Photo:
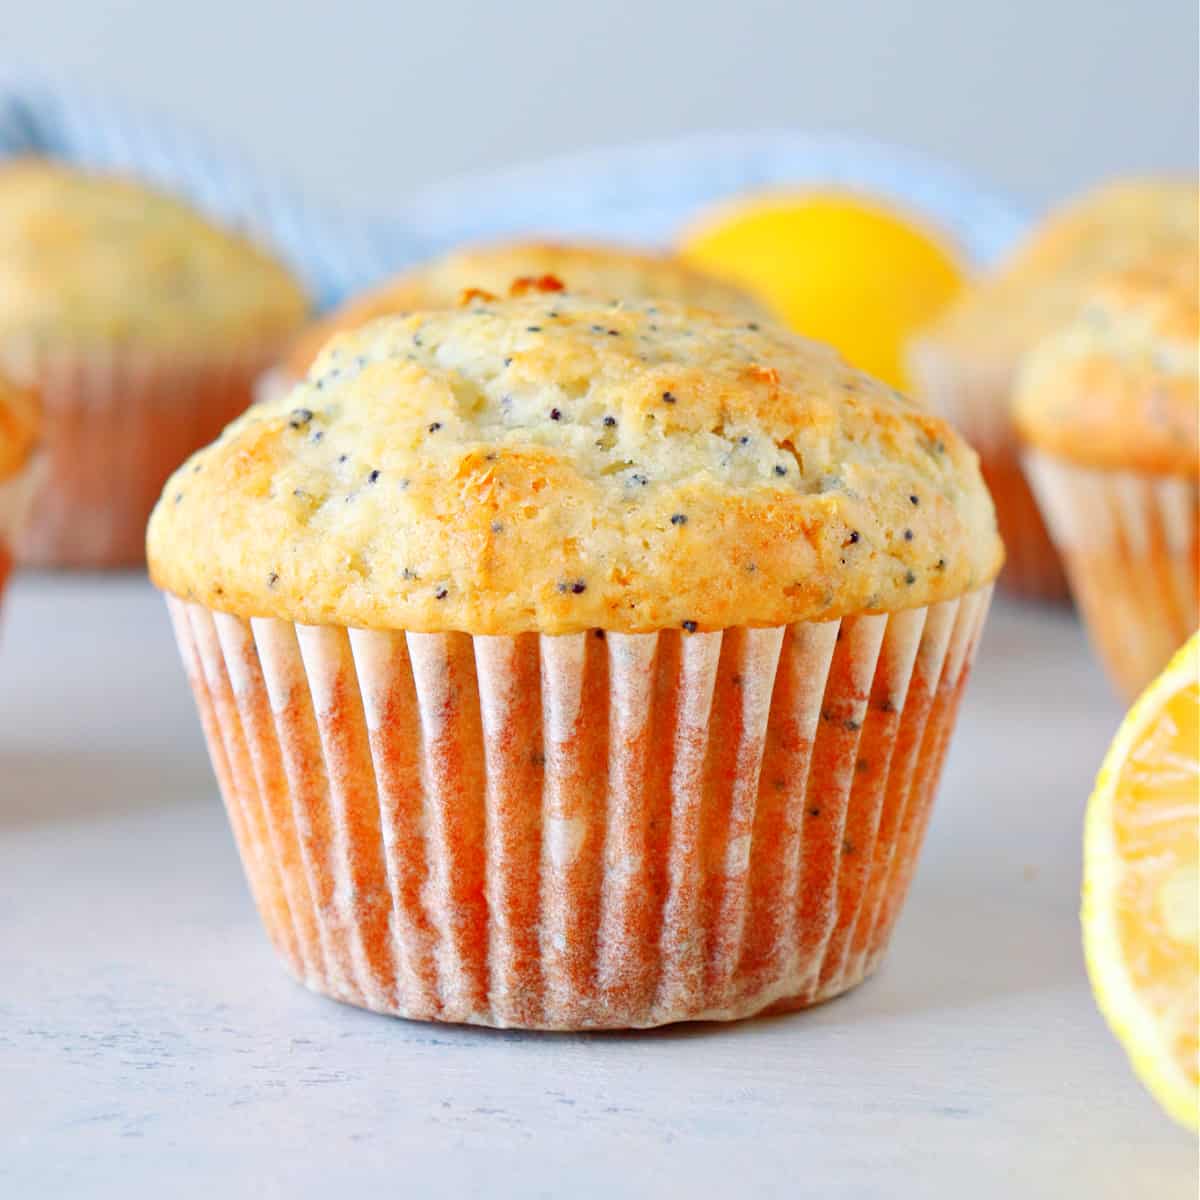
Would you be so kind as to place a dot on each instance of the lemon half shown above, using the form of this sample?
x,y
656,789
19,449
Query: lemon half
x,y
1141,889
846,270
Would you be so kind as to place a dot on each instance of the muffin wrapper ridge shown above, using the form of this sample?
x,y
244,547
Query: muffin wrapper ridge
x,y
580,831
1130,542
976,402
116,423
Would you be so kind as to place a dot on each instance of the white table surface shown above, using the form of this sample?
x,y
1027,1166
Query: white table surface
x,y
150,1045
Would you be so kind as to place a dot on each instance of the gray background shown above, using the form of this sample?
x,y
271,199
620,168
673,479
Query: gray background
x,y
364,101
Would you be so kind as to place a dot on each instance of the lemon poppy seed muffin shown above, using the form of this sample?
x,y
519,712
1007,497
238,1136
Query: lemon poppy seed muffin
x,y
557,465
607,271
1116,387
142,325
966,364
92,259
606,652
1043,283
1109,411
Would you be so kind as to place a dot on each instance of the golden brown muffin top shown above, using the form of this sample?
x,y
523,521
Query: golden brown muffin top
x,y
555,463
609,272
1117,386
96,259
1044,281
19,423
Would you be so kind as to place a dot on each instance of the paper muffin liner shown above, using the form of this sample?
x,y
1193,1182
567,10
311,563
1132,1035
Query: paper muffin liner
x,y
975,400
580,831
115,423
1130,543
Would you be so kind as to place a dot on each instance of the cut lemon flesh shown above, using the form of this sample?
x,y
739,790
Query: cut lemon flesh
x,y
1141,890
844,270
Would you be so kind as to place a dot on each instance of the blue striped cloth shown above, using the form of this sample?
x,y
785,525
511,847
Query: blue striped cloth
x,y
640,193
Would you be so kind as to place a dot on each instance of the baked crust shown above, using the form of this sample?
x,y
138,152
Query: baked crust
x,y
599,270
554,463
91,259
1117,386
1043,283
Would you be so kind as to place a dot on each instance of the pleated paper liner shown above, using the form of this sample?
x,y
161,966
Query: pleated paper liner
x,y
115,423
975,401
1130,542
582,831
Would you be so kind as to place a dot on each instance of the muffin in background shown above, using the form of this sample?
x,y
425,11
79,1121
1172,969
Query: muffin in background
x,y
966,363
584,267
142,327
19,424
573,664
1109,412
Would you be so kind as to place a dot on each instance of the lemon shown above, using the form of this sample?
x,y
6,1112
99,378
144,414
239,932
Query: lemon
x,y
1141,887
845,270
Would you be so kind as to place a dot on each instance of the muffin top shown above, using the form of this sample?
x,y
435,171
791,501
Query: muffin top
x,y
604,271
1117,386
97,259
18,427
556,463
1044,282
